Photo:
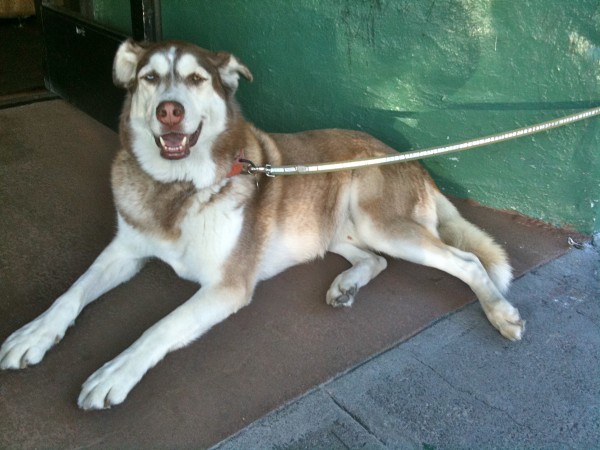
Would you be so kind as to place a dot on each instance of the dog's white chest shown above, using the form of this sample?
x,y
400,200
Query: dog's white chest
x,y
207,239
208,235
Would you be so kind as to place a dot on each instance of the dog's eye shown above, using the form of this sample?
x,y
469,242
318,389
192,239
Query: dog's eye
x,y
151,77
196,78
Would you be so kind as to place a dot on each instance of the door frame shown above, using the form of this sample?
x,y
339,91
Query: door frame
x,y
79,53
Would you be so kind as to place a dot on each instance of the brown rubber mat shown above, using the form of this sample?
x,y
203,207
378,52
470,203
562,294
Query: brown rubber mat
x,y
56,215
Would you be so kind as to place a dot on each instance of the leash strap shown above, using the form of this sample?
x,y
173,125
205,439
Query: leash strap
x,y
273,171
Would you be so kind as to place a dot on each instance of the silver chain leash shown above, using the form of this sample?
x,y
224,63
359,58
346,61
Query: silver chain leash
x,y
273,171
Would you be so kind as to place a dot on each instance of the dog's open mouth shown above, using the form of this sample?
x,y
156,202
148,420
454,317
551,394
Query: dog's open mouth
x,y
177,145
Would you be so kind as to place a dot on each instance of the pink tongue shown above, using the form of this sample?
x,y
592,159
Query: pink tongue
x,y
173,139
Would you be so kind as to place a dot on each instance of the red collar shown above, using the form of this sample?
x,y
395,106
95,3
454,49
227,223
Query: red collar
x,y
238,166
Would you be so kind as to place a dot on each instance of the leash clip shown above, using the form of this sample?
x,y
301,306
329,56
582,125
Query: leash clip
x,y
266,169
269,171
250,169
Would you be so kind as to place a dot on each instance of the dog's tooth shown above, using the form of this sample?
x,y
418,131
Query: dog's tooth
x,y
162,141
184,142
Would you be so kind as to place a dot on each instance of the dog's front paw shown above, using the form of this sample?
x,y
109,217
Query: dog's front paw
x,y
28,345
110,384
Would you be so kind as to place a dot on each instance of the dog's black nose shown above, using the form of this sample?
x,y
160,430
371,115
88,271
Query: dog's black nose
x,y
170,113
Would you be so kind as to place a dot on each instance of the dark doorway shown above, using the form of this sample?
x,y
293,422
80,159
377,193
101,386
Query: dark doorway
x,y
60,48
21,54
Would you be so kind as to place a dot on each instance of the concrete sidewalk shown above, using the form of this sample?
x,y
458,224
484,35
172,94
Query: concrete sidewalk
x,y
458,384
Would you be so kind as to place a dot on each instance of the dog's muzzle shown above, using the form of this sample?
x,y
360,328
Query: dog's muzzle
x,y
177,145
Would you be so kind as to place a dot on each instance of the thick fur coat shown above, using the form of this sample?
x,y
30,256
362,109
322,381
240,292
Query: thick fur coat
x,y
180,197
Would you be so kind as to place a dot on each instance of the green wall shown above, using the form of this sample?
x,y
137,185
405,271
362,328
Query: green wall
x,y
420,73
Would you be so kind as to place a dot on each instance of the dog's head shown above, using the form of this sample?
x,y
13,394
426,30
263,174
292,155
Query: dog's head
x,y
180,100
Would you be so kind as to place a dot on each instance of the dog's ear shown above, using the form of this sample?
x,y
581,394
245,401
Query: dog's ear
x,y
230,69
125,63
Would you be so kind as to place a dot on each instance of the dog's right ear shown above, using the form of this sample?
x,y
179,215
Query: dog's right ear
x,y
125,63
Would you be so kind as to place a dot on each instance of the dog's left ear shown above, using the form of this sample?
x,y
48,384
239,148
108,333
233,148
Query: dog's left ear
x,y
230,69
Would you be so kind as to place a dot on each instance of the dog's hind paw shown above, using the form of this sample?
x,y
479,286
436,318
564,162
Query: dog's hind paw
x,y
337,296
508,322
513,330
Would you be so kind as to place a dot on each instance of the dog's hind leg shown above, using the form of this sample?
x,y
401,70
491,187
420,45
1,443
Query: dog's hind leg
x,y
413,242
365,266
28,345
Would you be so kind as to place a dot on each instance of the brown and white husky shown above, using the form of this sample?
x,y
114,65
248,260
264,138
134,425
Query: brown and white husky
x,y
180,197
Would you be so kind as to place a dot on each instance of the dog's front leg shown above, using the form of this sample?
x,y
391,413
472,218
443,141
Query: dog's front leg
x,y
111,384
28,345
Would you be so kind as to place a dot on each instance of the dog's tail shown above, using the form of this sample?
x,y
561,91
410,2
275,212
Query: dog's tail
x,y
454,230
